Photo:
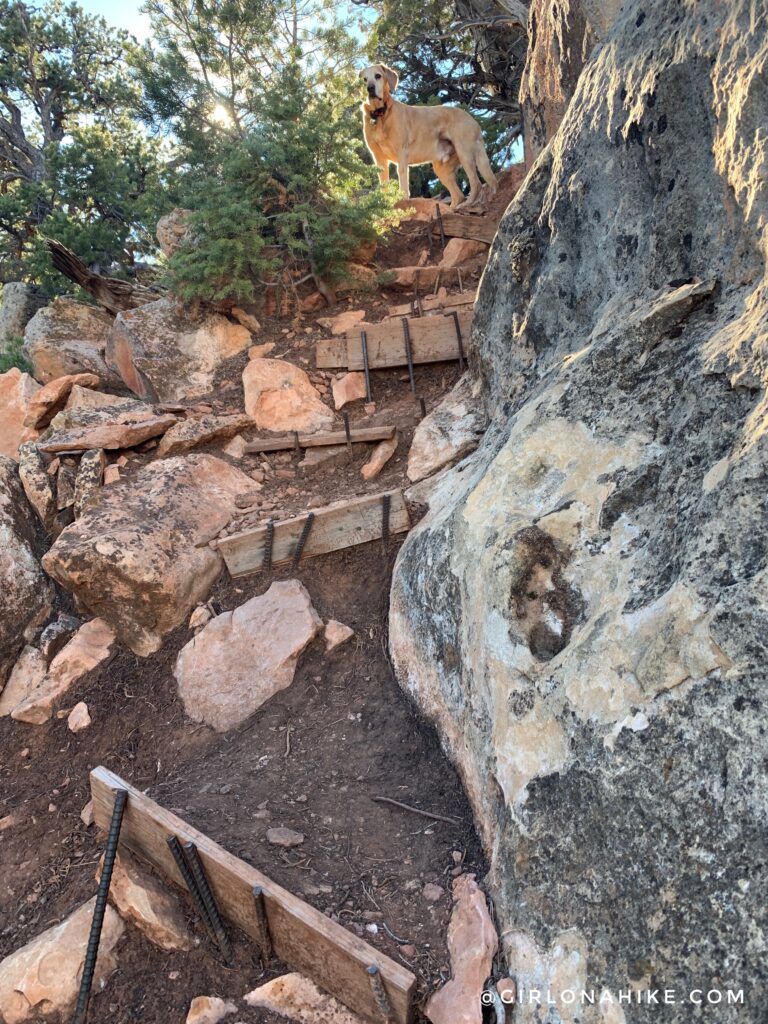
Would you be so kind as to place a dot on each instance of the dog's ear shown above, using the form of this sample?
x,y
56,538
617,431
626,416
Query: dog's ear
x,y
392,77
361,73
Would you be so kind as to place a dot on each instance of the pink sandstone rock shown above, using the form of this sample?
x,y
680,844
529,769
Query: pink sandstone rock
x,y
43,977
301,1001
348,388
209,1010
17,391
380,456
79,718
459,250
52,397
342,322
472,944
280,397
241,658
336,634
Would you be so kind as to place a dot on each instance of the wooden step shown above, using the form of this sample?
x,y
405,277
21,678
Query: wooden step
x,y
283,442
302,937
434,303
342,525
433,340
463,225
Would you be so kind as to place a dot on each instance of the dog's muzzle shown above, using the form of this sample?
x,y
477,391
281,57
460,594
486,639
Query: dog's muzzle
x,y
372,91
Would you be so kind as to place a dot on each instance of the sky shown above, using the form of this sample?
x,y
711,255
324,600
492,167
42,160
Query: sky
x,y
121,14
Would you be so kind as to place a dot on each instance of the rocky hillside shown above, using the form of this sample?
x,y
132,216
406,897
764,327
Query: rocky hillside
x,y
583,612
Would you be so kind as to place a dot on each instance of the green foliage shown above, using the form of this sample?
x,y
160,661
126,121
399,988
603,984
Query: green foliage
x,y
11,356
75,164
285,183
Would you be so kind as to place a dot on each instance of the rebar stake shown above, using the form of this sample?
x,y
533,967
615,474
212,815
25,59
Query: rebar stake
x,y
366,367
268,541
198,873
440,224
409,354
296,444
302,540
386,504
423,405
99,909
380,996
345,417
459,338
264,940
197,897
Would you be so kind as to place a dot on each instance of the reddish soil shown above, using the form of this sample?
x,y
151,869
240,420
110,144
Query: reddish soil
x,y
312,759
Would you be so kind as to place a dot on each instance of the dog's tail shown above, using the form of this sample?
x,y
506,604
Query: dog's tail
x,y
484,165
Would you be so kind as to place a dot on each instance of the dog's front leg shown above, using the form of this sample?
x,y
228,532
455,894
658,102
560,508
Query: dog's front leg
x,y
402,176
384,172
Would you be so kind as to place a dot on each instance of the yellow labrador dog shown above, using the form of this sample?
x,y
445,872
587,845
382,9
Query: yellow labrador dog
x,y
446,137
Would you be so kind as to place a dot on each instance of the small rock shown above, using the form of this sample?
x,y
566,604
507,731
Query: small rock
x,y
235,448
111,474
336,633
432,893
507,989
285,837
209,1010
86,815
246,320
260,351
79,717
188,434
343,322
141,900
407,950
370,408
200,616
52,398
348,388
381,455
301,1001
248,498
26,676
90,474
7,822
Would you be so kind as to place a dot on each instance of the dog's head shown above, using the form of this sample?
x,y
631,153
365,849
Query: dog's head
x,y
379,80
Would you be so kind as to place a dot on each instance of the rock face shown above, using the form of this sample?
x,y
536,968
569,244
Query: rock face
x,y
583,613
20,303
44,976
25,594
164,355
17,391
68,337
241,658
448,433
279,396
139,557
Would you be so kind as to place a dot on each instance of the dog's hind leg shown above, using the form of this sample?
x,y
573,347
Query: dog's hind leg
x,y
466,155
484,166
446,172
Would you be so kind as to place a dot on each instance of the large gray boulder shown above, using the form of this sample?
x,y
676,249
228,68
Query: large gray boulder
x,y
584,612
25,593
20,303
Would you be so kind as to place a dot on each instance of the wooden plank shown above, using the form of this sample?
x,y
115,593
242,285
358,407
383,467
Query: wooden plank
x,y
434,302
330,352
462,225
302,937
334,527
285,441
433,340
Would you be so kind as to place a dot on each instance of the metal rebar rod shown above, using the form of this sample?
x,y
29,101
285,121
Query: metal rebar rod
x,y
380,996
99,909
264,940
440,224
430,243
366,367
347,432
386,504
459,338
198,873
296,444
197,897
268,541
409,354
302,539
423,405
